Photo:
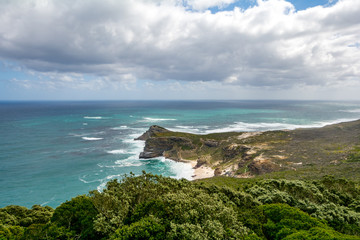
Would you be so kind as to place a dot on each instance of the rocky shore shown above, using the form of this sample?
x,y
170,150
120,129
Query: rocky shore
x,y
247,154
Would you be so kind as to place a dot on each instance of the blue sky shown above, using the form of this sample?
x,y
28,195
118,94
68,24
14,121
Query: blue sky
x,y
298,4
302,5
188,49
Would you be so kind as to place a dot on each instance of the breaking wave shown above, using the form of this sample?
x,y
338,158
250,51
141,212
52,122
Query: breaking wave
x,y
92,138
96,117
149,119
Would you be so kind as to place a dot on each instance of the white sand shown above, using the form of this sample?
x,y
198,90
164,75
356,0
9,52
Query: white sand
x,y
201,172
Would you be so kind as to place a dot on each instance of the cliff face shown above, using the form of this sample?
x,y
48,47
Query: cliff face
x,y
215,150
157,147
248,154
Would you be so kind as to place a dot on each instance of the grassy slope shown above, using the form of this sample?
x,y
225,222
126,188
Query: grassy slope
x,y
300,153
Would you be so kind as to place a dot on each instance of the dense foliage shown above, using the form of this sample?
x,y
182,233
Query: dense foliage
x,y
154,207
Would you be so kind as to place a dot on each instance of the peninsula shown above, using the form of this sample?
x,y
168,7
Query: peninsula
x,y
304,152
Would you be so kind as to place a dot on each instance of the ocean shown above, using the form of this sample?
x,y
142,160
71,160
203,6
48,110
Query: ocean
x,y
53,151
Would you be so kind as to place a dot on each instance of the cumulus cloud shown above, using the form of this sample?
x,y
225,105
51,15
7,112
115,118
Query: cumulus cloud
x,y
205,4
270,44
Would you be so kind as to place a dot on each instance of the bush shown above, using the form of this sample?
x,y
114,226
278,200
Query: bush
x,y
77,216
285,222
155,207
146,228
330,199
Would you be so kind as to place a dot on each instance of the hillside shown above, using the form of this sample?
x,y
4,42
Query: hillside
x,y
313,152
155,207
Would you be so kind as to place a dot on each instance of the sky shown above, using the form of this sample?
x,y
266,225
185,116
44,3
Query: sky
x,y
179,49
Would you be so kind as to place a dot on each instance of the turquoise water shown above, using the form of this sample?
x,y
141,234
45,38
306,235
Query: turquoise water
x,y
53,151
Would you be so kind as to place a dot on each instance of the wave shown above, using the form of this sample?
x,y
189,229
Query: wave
x,y
149,119
251,127
179,169
100,165
125,163
138,145
84,181
85,124
96,117
47,202
118,151
77,135
184,127
351,111
120,128
91,138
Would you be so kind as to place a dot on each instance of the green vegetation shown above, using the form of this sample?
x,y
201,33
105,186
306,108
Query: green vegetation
x,y
155,207
310,153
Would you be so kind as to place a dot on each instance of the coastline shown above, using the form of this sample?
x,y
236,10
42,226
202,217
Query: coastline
x,y
246,154
199,172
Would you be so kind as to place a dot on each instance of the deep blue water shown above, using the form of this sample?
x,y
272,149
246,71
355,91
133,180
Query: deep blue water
x,y
53,151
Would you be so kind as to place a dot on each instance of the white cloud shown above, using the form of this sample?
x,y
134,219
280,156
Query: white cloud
x,y
269,45
205,4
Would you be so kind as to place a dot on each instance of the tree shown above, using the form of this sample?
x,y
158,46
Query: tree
x,y
77,216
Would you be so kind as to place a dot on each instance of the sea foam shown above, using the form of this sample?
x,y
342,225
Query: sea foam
x,y
351,111
118,151
149,119
82,179
96,117
180,169
126,163
251,127
91,138
262,126
120,128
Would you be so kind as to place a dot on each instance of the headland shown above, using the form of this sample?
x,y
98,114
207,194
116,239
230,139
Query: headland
x,y
303,152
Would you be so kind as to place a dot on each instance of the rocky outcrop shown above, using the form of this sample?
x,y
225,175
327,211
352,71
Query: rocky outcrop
x,y
146,155
217,172
261,167
244,161
200,162
153,130
211,143
174,145
158,146
234,150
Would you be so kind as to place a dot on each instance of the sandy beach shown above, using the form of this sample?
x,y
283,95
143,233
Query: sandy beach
x,y
203,172
200,172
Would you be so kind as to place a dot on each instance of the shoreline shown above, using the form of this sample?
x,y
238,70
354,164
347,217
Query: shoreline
x,y
200,172
236,151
